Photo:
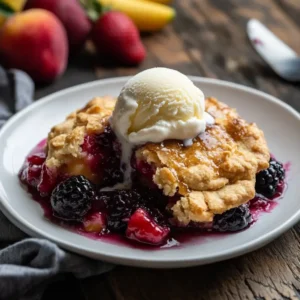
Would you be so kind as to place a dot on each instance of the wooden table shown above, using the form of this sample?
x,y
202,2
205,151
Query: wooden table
x,y
207,39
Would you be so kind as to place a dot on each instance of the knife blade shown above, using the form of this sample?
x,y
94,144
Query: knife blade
x,y
274,51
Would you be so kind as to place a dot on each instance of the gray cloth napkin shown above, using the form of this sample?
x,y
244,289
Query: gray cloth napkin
x,y
28,264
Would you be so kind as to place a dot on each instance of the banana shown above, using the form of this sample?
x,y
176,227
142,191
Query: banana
x,y
16,5
166,2
147,16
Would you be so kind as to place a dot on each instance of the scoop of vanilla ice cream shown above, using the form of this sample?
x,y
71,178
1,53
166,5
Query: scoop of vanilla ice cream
x,y
159,104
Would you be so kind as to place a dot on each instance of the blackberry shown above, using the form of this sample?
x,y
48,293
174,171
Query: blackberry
x,y
112,173
120,205
106,142
106,138
234,219
154,199
267,180
72,198
158,217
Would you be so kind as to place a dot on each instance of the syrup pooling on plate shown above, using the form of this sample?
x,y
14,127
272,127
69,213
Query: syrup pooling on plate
x,y
261,204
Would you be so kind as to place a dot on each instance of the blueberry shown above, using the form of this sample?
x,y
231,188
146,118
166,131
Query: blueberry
x,y
72,198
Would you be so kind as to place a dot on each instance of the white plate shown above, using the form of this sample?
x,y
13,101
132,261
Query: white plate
x,y
280,123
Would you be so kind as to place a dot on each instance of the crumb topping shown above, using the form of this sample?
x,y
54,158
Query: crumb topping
x,y
65,139
214,174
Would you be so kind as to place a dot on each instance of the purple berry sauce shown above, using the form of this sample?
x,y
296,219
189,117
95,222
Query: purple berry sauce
x,y
30,176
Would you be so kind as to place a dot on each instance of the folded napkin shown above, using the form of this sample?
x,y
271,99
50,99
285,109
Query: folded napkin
x,y
28,264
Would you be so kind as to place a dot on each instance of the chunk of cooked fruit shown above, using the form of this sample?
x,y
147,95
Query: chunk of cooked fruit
x,y
72,198
103,156
37,159
145,173
143,228
94,222
48,180
30,173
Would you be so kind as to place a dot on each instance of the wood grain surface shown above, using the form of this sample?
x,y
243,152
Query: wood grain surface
x,y
208,39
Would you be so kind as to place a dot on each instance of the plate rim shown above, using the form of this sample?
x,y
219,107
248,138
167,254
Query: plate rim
x,y
160,262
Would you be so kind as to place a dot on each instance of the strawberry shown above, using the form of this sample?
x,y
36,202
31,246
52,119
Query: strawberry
x,y
116,37
143,228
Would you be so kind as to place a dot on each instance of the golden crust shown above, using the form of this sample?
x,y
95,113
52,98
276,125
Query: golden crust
x,y
166,180
199,206
214,174
248,135
65,139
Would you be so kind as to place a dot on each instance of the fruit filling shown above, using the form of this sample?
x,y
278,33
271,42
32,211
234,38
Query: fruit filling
x,y
103,156
140,214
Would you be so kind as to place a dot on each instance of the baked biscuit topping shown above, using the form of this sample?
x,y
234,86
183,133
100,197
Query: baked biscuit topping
x,y
214,174
65,139
217,172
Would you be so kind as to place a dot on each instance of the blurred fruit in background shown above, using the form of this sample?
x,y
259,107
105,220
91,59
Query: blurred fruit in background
x,y
16,5
34,41
10,6
116,37
159,1
147,15
37,36
71,14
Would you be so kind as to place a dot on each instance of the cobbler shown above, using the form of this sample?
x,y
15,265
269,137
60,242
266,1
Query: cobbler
x,y
210,184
